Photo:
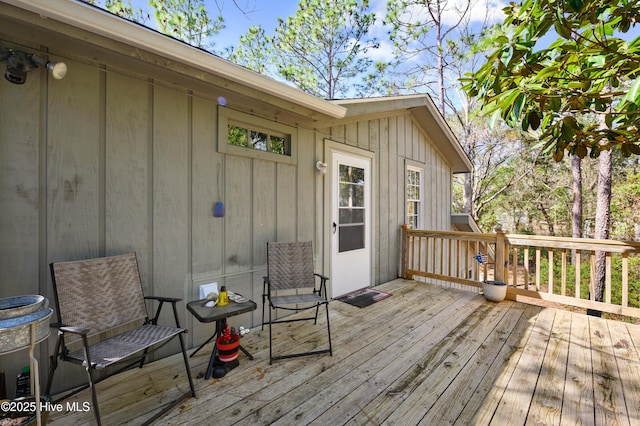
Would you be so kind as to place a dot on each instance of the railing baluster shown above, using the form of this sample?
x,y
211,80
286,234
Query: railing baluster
x,y
538,261
458,258
592,276
415,259
498,270
525,261
505,266
441,271
476,265
563,289
450,254
625,279
514,268
578,273
607,278
467,261
433,255
550,289
418,253
486,267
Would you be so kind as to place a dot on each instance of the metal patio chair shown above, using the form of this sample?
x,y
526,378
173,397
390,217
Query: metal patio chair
x,y
290,270
103,296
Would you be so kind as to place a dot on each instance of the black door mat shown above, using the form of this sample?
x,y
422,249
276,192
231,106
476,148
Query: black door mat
x,y
364,297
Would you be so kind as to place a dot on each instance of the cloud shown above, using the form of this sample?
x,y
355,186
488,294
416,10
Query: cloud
x,y
384,53
491,10
481,11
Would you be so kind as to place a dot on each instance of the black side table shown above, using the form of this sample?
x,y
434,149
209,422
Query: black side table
x,y
219,314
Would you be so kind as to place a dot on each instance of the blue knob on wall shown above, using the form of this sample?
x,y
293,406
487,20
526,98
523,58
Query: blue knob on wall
x,y
218,209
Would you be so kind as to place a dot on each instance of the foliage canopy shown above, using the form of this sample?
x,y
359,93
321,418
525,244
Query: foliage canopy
x,y
321,47
581,93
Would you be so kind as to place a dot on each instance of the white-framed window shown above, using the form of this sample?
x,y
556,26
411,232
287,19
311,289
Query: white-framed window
x,y
251,136
415,196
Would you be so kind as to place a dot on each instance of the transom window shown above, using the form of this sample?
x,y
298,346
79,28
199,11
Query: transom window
x,y
247,135
262,140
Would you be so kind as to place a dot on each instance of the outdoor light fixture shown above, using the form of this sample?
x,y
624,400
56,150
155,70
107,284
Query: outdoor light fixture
x,y
19,63
321,167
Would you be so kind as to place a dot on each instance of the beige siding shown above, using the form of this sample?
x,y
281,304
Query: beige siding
x,y
393,140
127,192
108,161
208,185
20,200
171,195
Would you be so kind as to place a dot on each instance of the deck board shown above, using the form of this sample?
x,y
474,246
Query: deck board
x,y
448,408
545,409
427,355
578,404
608,396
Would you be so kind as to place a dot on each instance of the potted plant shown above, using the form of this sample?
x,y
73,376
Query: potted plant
x,y
495,291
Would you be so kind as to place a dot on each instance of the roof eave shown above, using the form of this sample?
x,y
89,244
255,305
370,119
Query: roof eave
x,y
426,115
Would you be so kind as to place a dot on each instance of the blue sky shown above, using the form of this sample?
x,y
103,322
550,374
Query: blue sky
x,y
256,12
239,15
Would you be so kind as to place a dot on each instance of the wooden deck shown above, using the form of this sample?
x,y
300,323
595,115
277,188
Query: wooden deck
x,y
427,355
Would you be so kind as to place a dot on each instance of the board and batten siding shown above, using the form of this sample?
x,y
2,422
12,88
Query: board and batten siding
x,y
394,140
112,159
104,162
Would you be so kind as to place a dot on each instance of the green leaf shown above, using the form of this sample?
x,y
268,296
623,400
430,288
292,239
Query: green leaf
x,y
634,148
597,61
558,155
562,30
568,130
534,120
548,71
517,106
581,151
633,95
494,118
576,5
608,120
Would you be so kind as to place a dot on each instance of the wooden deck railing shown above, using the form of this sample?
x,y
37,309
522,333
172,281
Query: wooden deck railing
x,y
554,269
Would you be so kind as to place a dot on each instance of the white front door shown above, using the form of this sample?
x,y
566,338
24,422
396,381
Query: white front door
x,y
350,223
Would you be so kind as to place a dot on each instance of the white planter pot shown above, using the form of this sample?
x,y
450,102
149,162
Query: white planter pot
x,y
495,291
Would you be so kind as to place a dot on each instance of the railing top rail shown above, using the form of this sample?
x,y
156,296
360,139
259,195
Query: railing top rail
x,y
573,243
534,240
452,235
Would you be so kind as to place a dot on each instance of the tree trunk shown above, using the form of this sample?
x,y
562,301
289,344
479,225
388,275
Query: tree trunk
x,y
603,213
576,211
468,193
548,218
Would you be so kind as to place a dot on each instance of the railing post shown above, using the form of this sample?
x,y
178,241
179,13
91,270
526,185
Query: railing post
x,y
405,252
498,269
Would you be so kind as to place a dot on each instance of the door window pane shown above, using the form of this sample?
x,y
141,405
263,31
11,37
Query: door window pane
x,y
351,212
351,186
351,238
351,216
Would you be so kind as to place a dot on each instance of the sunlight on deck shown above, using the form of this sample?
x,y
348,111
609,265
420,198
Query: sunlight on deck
x,y
426,355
